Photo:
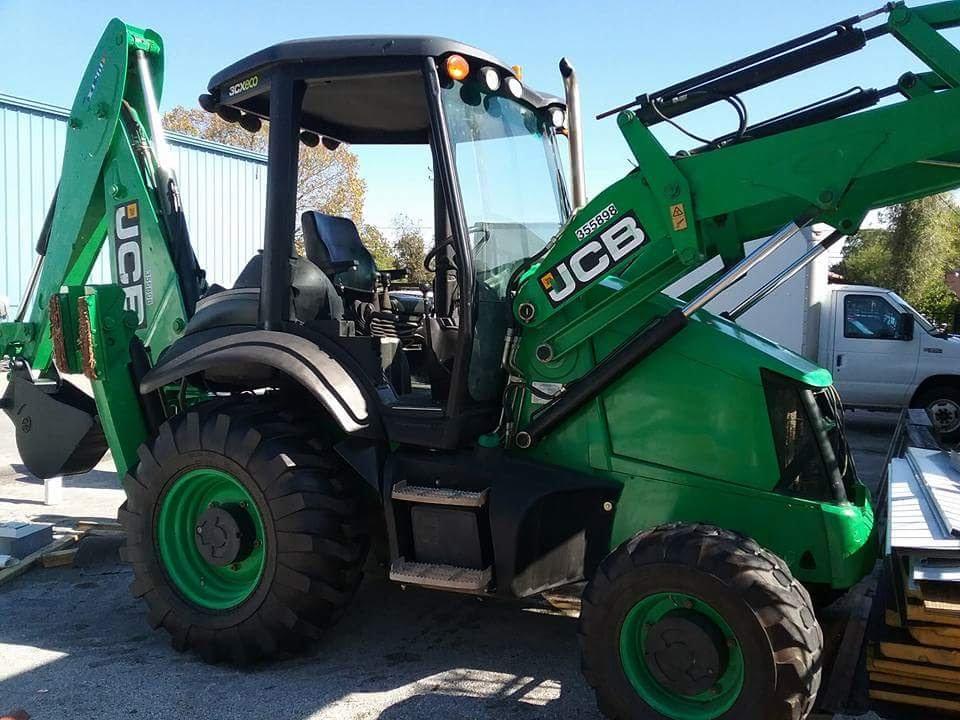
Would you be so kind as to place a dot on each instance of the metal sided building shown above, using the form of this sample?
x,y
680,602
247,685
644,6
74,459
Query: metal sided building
x,y
223,189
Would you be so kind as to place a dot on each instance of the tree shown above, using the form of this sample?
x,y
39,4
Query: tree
x,y
383,253
411,248
867,259
912,256
328,181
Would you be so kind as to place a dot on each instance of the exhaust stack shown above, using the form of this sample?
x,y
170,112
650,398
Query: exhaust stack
x,y
575,133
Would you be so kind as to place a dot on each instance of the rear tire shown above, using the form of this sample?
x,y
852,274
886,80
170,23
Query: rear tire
x,y
942,403
689,621
291,500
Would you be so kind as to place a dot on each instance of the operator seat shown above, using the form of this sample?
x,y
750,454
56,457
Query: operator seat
x,y
333,244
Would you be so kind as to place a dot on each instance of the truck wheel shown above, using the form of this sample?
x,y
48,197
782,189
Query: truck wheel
x,y
691,621
942,403
245,535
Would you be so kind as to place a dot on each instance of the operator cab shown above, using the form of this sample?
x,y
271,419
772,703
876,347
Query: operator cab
x,y
498,199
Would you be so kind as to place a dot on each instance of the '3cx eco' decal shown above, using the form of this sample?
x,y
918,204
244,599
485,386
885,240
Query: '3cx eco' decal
x,y
622,238
130,272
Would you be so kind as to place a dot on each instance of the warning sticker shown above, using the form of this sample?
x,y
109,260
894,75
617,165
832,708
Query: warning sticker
x,y
679,216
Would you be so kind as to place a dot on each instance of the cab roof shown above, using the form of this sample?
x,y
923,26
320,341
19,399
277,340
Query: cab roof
x,y
360,89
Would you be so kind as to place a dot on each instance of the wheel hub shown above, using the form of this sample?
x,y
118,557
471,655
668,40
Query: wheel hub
x,y
210,539
220,535
945,415
681,656
685,653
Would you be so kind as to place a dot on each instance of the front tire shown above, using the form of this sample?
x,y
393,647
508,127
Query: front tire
x,y
942,403
245,534
691,621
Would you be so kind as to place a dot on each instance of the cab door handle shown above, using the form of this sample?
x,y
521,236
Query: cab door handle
x,y
839,359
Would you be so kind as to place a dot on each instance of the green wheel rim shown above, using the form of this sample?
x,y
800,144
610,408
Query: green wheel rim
x,y
633,637
208,586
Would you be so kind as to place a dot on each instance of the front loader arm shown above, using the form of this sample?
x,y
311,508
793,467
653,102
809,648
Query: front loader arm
x,y
830,163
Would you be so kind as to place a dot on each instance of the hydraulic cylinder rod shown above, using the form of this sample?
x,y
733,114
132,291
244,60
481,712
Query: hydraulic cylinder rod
x,y
744,266
787,273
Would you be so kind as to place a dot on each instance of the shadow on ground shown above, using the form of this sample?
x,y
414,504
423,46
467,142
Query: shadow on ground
x,y
92,479
76,643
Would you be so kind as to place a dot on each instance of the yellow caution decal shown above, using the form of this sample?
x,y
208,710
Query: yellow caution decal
x,y
678,213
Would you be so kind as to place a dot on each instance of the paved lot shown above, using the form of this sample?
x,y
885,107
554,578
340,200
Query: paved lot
x,y
73,643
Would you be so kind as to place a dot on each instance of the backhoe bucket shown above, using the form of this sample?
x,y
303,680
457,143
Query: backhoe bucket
x,y
58,431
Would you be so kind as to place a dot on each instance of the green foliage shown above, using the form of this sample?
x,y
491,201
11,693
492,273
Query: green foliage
x,y
867,259
411,248
383,252
912,256
328,180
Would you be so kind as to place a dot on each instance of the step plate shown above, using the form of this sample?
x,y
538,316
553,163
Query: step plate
x,y
445,577
438,496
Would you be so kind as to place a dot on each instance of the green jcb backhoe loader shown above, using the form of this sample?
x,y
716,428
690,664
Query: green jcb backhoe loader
x,y
560,420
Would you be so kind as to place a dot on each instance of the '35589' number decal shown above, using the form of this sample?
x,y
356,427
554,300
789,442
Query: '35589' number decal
x,y
597,221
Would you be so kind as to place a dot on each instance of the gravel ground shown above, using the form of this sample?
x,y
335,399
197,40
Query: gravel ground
x,y
74,643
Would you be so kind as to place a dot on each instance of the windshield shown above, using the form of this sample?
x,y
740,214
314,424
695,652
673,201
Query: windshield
x,y
514,202
920,319
510,181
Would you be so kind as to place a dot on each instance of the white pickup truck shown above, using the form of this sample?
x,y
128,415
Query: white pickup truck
x,y
882,353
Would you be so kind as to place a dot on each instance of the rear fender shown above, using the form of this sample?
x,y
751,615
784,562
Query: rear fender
x,y
302,360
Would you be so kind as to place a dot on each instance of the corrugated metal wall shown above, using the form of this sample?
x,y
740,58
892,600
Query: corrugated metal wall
x,y
224,191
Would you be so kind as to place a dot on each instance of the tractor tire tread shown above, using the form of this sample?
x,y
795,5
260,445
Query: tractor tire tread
x,y
779,601
311,502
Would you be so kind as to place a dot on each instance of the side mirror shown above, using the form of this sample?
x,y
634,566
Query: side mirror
x,y
905,326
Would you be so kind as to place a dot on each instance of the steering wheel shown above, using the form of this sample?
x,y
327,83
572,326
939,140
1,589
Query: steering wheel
x,y
429,259
430,266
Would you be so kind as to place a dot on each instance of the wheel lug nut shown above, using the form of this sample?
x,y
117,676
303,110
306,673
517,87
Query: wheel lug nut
x,y
235,567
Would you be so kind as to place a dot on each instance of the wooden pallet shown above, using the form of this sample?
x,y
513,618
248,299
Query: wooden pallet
x,y
918,698
941,597
58,544
914,658
944,636
881,665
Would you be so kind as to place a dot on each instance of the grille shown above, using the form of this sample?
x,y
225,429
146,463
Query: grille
x,y
795,421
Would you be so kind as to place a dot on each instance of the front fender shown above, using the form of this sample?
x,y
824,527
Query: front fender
x,y
317,371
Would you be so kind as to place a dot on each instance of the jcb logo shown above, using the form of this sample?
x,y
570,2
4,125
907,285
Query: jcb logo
x,y
129,257
592,258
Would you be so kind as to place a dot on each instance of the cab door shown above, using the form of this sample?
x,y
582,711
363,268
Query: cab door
x,y
874,356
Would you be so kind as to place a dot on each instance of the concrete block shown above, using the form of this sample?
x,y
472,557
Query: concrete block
x,y
22,538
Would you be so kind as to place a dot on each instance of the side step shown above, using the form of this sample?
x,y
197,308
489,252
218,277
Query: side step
x,y
443,577
438,496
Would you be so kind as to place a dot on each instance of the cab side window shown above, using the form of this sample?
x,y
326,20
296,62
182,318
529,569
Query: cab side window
x,y
869,317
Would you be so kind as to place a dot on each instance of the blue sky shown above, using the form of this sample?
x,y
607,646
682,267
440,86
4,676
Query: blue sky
x,y
619,49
